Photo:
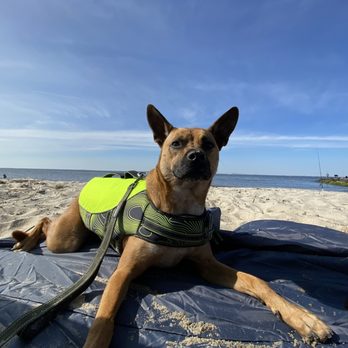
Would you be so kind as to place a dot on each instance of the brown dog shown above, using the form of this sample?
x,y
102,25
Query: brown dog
x,y
178,185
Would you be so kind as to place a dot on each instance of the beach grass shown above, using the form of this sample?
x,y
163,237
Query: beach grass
x,y
334,181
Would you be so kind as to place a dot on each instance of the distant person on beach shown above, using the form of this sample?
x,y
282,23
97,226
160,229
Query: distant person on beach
x,y
4,176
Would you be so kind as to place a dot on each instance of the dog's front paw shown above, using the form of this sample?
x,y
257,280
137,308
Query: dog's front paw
x,y
100,333
308,325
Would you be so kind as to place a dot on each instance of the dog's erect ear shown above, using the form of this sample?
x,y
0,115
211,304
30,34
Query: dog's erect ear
x,y
159,125
224,126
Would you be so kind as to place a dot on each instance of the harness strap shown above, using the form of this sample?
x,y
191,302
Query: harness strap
x,y
33,321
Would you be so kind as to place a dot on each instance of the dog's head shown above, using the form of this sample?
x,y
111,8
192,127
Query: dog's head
x,y
190,154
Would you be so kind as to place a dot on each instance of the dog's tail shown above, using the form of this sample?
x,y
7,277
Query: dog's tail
x,y
29,239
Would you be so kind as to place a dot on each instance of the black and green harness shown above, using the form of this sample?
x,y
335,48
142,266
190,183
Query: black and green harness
x,y
114,208
139,217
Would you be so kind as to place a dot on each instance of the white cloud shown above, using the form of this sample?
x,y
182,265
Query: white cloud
x,y
125,139
305,97
15,64
291,141
77,141
41,108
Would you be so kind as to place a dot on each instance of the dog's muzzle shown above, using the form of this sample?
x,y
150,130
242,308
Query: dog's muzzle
x,y
194,166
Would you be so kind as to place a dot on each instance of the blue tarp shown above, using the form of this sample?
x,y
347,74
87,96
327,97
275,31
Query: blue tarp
x,y
175,308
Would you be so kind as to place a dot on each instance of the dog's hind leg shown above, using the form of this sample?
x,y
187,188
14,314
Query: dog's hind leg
x,y
29,240
64,234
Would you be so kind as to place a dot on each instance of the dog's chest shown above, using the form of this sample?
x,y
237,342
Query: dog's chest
x,y
169,256
184,202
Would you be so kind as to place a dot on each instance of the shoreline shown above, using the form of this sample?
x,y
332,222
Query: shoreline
x,y
220,179
24,201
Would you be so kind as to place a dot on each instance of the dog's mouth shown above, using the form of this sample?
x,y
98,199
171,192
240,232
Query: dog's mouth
x,y
193,172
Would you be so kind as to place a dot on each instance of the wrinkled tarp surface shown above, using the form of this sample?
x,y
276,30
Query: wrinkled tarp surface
x,y
175,308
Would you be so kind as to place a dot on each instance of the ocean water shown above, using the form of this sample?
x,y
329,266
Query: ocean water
x,y
222,180
275,181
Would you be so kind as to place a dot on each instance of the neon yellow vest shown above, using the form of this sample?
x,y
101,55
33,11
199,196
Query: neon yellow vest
x,y
100,196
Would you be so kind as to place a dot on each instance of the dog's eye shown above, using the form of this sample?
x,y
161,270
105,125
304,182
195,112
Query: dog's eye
x,y
176,144
208,145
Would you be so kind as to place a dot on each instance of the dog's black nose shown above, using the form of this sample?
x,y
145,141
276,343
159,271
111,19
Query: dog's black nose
x,y
195,155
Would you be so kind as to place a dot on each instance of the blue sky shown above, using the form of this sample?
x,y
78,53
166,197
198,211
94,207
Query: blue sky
x,y
76,76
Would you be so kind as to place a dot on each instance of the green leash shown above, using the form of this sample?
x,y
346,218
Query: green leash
x,y
32,322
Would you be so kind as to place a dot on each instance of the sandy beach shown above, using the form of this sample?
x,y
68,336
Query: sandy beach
x,y
24,201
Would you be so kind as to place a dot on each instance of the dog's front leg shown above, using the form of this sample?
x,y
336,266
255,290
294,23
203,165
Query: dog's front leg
x,y
305,323
133,262
101,331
